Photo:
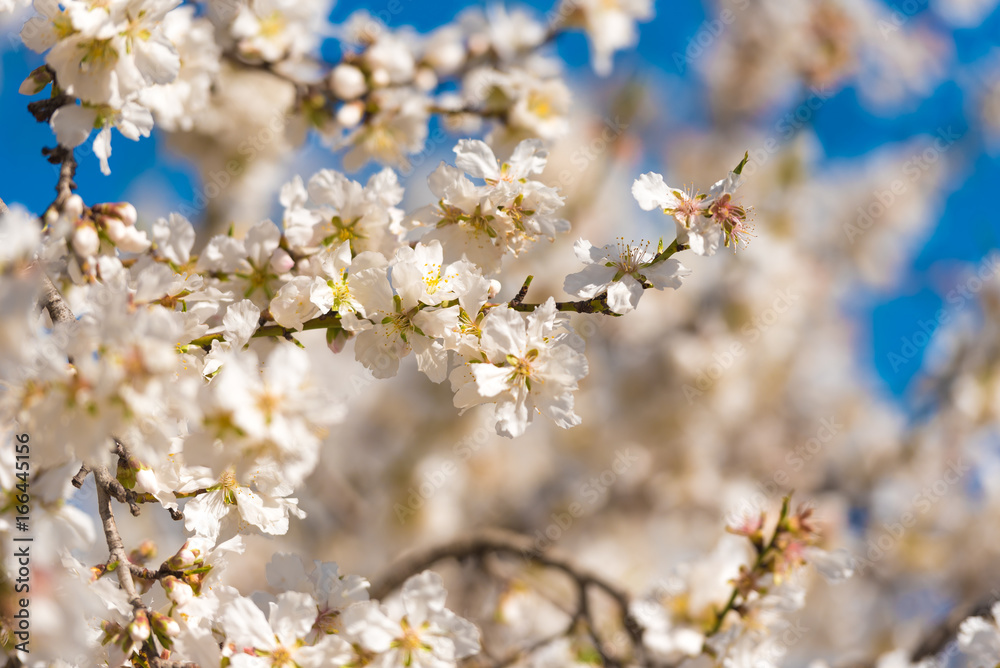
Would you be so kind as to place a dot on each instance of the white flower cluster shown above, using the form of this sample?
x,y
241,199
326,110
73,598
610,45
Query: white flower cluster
x,y
161,347
121,64
118,60
318,617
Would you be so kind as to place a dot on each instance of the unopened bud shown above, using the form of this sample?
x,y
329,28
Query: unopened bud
x,y
350,114
73,208
281,261
446,57
123,211
86,241
39,78
143,553
380,77
186,557
347,82
164,626
494,288
180,593
125,237
425,79
139,629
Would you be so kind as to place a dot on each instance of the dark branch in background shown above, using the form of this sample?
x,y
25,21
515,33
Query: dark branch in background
x,y
504,543
60,155
42,110
937,640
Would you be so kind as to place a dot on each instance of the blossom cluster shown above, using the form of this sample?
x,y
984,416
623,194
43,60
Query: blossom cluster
x,y
181,355
319,617
125,63
199,377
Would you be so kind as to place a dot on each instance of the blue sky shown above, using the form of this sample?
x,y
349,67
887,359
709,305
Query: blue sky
x,y
966,230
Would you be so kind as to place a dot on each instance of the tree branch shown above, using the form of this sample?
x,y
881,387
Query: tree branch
x,y
936,641
62,156
80,476
499,542
53,302
115,546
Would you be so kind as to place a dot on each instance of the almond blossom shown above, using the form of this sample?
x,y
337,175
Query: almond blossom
x,y
528,365
278,638
622,272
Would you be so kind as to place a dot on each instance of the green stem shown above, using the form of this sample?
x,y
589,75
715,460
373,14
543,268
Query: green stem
x,y
761,555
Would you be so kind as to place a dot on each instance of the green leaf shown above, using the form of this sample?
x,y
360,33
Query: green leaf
x,y
743,162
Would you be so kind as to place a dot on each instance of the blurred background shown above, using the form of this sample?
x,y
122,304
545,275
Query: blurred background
x,y
850,353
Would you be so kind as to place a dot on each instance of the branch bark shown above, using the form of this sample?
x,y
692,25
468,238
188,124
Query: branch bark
x,y
115,546
499,542
53,302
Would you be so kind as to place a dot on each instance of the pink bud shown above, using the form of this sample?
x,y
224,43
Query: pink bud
x,y
180,593
281,261
139,629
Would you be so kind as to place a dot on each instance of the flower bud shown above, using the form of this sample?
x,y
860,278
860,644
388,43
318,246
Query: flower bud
x,y
380,77
139,629
39,78
180,593
425,79
86,242
281,261
123,211
350,114
494,288
143,553
73,208
186,557
446,57
164,626
125,237
347,82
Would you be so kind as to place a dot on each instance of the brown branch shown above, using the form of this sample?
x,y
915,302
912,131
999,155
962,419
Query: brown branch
x,y
115,546
148,574
499,542
80,476
42,110
62,156
53,302
939,637
522,293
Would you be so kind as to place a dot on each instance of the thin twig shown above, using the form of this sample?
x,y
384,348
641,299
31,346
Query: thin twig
x,y
522,293
115,546
80,476
938,638
62,156
495,541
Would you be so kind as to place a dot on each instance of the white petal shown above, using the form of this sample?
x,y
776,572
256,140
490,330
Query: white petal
x,y
651,192
72,124
476,158
623,295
